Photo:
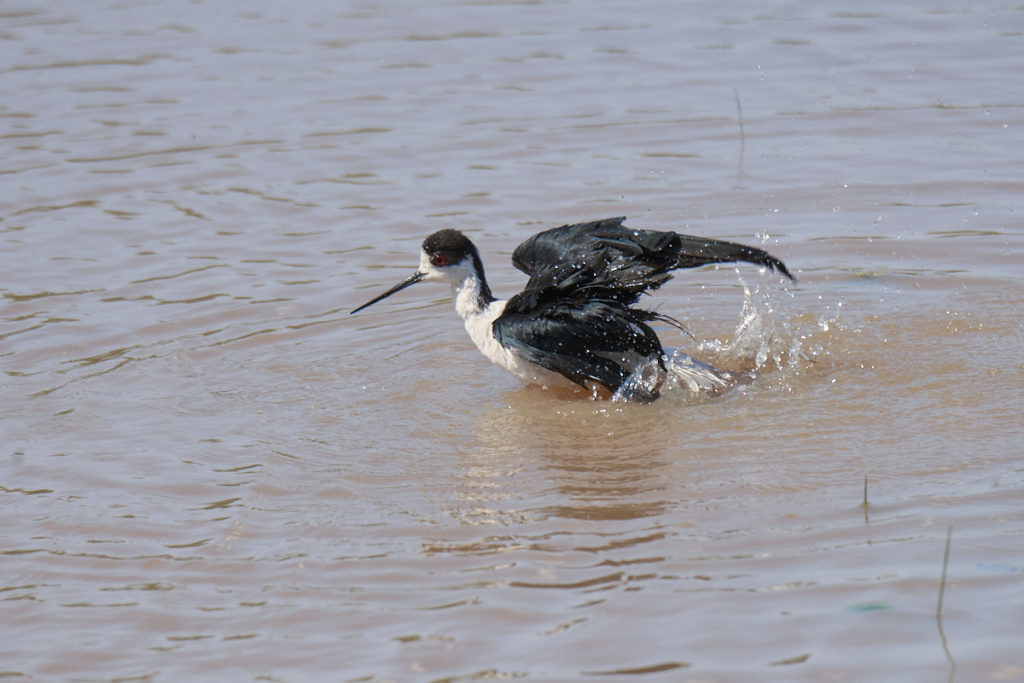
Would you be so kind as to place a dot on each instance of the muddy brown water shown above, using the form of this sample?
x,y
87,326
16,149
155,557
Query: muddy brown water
x,y
212,472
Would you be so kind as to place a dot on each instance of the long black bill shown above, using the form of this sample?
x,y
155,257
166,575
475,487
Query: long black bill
x,y
397,288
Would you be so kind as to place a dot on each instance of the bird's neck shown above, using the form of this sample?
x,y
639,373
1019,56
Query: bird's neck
x,y
472,296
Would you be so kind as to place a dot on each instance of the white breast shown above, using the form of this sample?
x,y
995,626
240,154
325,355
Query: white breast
x,y
478,325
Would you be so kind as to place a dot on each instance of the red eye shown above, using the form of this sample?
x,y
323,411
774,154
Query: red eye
x,y
439,260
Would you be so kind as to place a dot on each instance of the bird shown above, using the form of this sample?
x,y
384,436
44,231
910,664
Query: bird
x,y
576,322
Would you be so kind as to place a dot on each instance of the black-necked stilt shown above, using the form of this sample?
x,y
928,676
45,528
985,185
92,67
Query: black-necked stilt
x,y
575,318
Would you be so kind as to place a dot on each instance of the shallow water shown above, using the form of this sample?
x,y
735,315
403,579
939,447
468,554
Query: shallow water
x,y
212,471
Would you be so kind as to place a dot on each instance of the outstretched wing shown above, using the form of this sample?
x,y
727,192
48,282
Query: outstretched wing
x,y
606,260
575,316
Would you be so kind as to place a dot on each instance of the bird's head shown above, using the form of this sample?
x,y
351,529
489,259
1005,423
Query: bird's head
x,y
446,256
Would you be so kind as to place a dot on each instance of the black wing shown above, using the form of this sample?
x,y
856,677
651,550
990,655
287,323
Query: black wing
x,y
575,316
584,341
605,259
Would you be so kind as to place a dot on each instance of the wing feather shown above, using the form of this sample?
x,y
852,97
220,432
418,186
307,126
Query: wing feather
x,y
575,315
605,259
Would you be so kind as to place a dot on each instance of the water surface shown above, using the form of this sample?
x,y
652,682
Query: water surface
x,y
212,471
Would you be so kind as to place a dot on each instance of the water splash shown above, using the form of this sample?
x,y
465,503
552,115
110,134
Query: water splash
x,y
677,372
770,344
